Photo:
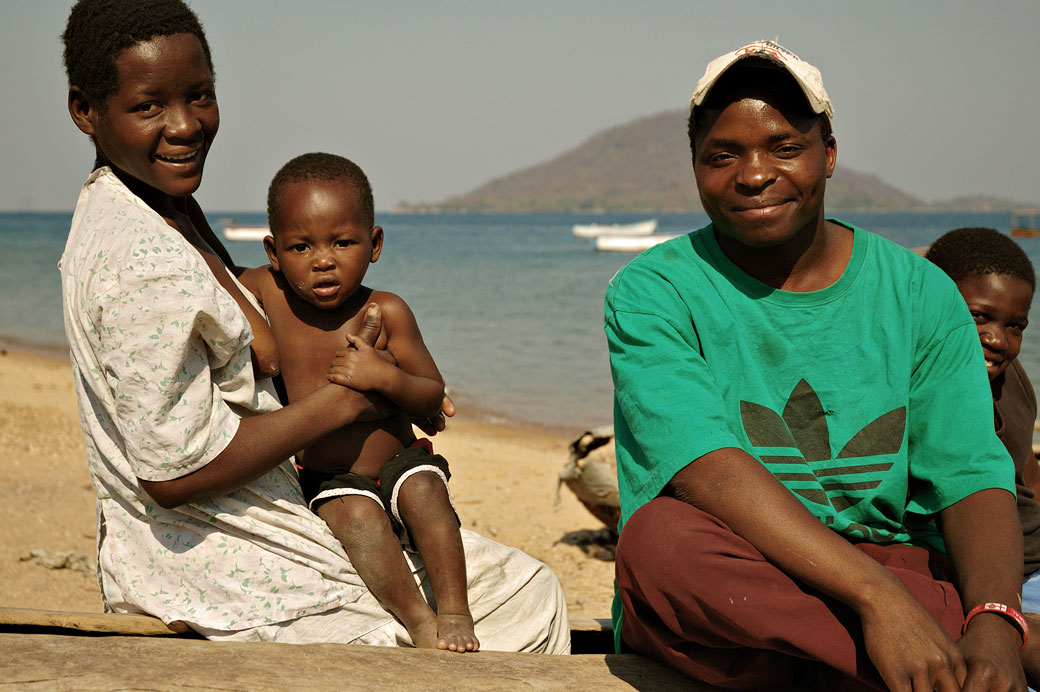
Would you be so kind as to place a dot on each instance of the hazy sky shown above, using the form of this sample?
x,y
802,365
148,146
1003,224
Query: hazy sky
x,y
434,98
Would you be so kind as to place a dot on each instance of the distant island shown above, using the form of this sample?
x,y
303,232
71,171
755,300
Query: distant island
x,y
644,166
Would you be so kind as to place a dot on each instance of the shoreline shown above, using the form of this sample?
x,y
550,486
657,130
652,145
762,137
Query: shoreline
x,y
504,485
468,410
47,350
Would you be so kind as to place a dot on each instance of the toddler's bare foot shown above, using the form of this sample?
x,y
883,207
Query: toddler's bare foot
x,y
424,633
455,632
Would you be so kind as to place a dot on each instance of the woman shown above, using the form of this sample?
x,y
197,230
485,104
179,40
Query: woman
x,y
199,509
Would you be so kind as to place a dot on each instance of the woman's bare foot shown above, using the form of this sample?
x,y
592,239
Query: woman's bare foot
x,y
455,632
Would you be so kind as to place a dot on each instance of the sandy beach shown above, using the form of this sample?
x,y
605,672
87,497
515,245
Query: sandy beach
x,y
503,485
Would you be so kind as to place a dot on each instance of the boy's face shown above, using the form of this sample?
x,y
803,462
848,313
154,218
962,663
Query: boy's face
x,y
761,167
1000,305
158,125
322,246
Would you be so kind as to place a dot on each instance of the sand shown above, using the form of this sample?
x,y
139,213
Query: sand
x,y
503,485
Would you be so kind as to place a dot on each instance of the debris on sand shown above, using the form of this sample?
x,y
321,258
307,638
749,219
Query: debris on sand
x,y
70,559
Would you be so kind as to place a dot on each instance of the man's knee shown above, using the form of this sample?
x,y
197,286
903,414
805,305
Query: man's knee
x,y
668,540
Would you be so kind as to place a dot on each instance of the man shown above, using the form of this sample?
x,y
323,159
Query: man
x,y
811,486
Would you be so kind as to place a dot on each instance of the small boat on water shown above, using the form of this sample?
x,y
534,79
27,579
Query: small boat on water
x,y
246,232
1024,223
630,243
594,230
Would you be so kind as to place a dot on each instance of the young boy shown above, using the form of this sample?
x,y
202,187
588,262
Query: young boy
x,y
373,483
997,281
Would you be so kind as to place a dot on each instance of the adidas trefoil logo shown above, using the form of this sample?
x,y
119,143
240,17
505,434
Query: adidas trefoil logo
x,y
803,427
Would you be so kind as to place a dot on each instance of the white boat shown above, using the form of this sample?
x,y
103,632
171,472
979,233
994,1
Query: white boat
x,y
593,230
246,232
631,243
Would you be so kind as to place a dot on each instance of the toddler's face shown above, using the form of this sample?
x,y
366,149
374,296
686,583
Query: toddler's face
x,y
159,124
323,248
999,303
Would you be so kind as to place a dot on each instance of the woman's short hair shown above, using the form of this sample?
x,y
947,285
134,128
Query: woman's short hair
x,y
98,31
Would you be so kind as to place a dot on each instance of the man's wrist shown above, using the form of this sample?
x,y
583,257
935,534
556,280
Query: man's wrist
x,y
1005,612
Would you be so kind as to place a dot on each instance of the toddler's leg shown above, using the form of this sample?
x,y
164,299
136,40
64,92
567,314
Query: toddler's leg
x,y
363,528
425,509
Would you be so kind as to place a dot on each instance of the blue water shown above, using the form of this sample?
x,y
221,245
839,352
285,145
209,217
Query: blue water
x,y
510,305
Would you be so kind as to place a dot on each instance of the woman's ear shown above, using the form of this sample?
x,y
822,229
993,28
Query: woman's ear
x,y
82,111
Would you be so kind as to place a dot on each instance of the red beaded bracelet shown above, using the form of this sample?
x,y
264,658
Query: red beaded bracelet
x,y
1000,609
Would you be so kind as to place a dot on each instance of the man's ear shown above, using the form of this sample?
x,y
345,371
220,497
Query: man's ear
x,y
377,242
82,111
832,155
272,256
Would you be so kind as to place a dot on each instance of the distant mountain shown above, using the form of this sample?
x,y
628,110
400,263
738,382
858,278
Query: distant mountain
x,y
645,165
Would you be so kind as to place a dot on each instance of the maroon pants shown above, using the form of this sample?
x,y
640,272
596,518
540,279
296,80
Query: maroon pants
x,y
703,600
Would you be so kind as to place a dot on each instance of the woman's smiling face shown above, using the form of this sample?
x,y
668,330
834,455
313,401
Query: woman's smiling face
x,y
158,125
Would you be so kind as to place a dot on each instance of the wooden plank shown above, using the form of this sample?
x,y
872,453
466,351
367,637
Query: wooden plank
x,y
592,625
139,624
116,623
57,662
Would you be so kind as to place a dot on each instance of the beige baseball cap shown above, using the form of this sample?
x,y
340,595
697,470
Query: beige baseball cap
x,y
807,76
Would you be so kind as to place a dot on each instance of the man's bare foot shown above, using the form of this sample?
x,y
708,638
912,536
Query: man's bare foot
x,y
424,633
455,632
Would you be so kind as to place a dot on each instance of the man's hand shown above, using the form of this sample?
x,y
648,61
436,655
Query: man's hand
x,y
984,541
991,648
908,647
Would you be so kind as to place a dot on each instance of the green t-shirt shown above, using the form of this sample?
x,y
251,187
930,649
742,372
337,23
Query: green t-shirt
x,y
868,399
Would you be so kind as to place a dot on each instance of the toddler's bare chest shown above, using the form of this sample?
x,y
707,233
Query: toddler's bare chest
x,y
306,352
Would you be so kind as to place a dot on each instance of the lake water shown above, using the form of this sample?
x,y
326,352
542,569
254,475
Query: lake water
x,y
511,305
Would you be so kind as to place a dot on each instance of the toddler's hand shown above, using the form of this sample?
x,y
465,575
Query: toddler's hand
x,y
435,424
358,366
372,324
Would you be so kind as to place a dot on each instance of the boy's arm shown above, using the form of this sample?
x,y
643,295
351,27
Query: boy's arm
x,y
414,383
983,539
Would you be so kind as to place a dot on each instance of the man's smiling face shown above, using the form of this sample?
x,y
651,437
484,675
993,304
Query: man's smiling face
x,y
761,165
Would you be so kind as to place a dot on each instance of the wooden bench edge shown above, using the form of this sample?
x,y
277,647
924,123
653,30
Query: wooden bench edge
x,y
115,623
141,624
